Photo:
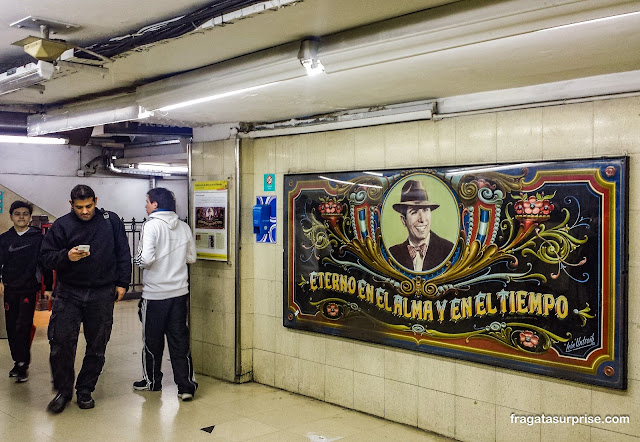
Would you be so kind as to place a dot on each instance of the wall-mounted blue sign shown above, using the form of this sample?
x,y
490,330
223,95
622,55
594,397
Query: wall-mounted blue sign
x,y
264,219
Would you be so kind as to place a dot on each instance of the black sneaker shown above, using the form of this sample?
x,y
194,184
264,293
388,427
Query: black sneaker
x,y
22,372
85,401
14,371
58,403
143,385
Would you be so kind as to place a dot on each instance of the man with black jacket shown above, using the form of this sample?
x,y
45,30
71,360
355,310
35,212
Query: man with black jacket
x,y
89,250
19,282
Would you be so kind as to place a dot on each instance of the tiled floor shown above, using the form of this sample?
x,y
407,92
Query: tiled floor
x,y
238,412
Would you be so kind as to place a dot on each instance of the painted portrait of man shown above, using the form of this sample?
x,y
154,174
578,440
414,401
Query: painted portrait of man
x,y
423,249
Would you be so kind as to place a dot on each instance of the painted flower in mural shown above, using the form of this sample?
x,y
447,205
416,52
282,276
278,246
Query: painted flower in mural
x,y
532,209
528,339
332,309
538,204
330,206
481,182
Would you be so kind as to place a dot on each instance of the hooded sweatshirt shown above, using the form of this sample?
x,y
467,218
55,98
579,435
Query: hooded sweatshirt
x,y
19,259
166,246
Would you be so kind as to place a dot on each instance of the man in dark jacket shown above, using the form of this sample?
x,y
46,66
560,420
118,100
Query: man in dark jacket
x,y
20,281
423,250
89,250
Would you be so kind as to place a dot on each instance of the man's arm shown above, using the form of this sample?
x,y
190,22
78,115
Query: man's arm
x,y
146,254
54,254
123,256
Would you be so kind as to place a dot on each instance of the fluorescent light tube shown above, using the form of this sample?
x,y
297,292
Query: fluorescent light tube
x,y
349,182
32,140
212,97
161,167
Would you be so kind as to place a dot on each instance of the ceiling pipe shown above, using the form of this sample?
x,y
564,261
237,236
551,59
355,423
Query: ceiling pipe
x,y
95,113
129,171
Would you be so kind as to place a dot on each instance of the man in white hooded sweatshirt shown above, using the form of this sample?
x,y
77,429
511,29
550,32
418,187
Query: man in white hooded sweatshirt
x,y
166,246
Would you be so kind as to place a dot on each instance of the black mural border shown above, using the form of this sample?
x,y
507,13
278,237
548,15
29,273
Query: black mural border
x,y
619,280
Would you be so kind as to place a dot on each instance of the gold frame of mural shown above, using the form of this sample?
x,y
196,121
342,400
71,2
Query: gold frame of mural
x,y
518,265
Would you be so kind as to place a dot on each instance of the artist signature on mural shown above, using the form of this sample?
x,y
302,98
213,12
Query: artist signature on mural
x,y
580,342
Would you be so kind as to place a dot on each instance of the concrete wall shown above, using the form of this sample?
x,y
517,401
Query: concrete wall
x,y
8,198
464,400
55,167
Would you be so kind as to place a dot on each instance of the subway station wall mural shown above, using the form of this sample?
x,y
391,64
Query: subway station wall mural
x,y
520,266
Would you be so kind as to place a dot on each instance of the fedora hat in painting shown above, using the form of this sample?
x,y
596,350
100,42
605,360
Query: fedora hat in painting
x,y
414,195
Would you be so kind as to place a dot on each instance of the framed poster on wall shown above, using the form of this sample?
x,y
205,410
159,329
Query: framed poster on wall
x,y
210,207
520,266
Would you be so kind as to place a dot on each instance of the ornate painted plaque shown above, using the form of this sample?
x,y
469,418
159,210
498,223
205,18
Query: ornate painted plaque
x,y
520,266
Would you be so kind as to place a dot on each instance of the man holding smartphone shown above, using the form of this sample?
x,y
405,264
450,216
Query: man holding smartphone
x,y
89,250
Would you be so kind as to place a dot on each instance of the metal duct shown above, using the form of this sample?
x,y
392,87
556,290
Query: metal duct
x,y
13,123
129,171
111,110
140,173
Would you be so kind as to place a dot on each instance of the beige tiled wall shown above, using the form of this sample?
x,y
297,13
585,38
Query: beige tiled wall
x,y
213,282
459,399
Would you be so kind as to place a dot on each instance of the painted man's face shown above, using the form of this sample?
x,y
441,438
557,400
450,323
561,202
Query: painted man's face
x,y
417,220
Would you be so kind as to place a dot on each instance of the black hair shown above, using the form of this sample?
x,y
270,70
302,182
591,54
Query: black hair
x,y
164,197
82,192
20,204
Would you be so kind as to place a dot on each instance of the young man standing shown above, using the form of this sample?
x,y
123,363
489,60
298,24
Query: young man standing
x,y
166,246
19,283
89,250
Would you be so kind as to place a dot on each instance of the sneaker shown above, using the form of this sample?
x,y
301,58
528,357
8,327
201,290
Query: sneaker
x,y
145,386
22,376
14,371
22,372
185,396
85,401
58,403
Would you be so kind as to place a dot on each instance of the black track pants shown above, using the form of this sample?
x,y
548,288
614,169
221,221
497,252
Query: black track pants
x,y
18,309
93,307
166,317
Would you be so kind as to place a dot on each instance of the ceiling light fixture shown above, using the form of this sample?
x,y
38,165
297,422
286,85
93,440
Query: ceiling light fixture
x,y
308,56
25,76
42,47
32,140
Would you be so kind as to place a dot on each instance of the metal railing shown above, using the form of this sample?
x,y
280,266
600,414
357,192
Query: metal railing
x,y
133,228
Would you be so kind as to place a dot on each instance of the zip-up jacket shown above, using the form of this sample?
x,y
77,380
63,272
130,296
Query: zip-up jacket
x,y
166,246
19,259
109,261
